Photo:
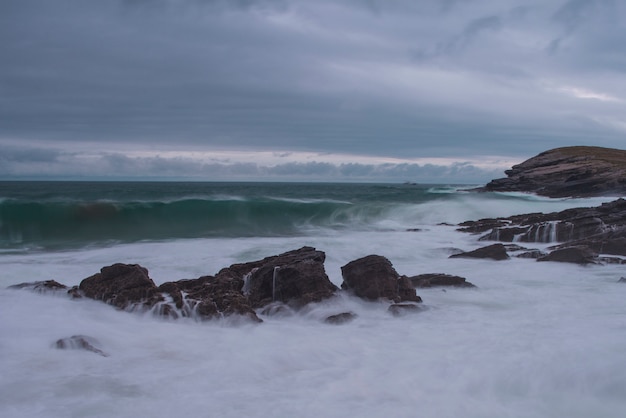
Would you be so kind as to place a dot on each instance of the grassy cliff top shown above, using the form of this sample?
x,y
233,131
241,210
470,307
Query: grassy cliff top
x,y
611,155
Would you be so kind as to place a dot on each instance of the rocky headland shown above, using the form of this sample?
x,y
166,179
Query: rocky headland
x,y
580,235
579,171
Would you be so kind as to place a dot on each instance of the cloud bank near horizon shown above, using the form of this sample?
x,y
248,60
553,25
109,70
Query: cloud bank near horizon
x,y
400,79
41,164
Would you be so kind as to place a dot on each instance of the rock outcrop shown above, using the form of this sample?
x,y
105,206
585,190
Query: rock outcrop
x,y
296,277
589,231
125,286
373,277
280,283
579,171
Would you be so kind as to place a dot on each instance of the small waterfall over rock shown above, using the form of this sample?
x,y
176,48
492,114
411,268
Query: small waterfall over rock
x,y
274,276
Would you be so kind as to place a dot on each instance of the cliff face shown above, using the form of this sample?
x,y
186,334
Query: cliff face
x,y
568,172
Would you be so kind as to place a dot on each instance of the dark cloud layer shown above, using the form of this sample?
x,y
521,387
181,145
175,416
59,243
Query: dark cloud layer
x,y
402,79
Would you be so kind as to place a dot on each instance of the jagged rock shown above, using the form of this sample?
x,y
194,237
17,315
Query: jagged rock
x,y
567,225
341,318
210,297
296,277
126,286
439,279
44,286
578,255
568,172
494,252
373,277
611,242
80,342
400,309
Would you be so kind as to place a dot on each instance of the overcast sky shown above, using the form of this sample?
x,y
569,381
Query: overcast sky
x,y
378,90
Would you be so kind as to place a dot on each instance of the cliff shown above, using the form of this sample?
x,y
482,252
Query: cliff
x,y
579,171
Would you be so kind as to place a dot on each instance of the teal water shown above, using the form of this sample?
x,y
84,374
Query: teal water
x,y
74,214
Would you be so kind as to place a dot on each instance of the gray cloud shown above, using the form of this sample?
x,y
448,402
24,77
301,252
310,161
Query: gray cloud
x,y
390,79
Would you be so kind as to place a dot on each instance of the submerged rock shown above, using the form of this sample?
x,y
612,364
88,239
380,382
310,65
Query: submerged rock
x,y
577,255
45,286
401,309
373,277
79,342
494,252
341,318
439,279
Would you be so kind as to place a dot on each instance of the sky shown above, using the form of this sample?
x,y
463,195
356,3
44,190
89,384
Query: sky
x,y
425,91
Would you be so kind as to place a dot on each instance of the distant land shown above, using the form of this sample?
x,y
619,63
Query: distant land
x,y
579,171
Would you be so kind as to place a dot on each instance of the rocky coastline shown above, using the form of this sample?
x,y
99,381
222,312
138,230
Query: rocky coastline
x,y
285,283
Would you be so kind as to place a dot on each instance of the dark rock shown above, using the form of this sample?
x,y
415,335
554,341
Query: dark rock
x,y
568,172
79,342
494,252
612,242
602,229
373,277
341,318
277,309
622,280
511,248
296,277
400,309
577,255
439,279
611,260
126,286
532,254
45,286
210,297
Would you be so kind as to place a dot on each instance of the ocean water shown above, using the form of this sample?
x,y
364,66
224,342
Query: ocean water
x,y
532,340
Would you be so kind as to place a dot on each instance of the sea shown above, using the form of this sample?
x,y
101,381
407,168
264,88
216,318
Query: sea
x,y
531,340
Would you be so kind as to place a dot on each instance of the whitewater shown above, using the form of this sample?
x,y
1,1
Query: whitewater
x,y
532,340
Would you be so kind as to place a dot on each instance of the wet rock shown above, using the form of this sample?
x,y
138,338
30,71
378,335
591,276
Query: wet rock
x,y
373,277
296,277
577,255
439,279
494,252
210,297
532,254
277,309
341,318
401,309
607,223
45,286
622,280
79,342
126,286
